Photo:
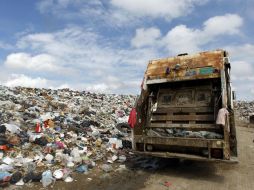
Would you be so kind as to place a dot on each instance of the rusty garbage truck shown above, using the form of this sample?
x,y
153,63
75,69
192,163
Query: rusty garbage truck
x,y
185,109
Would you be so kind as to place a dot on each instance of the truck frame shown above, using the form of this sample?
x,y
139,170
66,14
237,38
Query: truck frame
x,y
178,107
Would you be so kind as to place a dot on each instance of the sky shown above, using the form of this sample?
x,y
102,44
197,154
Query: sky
x,y
105,45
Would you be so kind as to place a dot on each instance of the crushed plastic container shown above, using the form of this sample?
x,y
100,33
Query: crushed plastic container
x,y
47,178
82,168
12,128
106,168
115,143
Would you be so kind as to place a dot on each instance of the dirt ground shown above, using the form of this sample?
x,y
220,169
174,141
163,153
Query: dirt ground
x,y
166,174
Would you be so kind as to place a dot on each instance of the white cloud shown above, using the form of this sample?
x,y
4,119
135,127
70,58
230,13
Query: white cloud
x,y
159,8
242,61
81,59
226,24
102,87
85,10
58,43
80,47
145,37
29,28
59,6
36,38
5,46
181,39
44,5
41,62
56,5
23,80
98,64
241,52
64,3
40,82
118,12
64,86
91,62
110,85
242,66
242,69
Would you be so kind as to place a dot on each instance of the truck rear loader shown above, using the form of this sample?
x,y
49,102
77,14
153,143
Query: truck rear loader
x,y
185,109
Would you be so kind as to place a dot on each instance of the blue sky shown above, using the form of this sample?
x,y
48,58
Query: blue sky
x,y
104,46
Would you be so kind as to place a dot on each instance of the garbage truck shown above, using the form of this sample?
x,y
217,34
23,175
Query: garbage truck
x,y
185,109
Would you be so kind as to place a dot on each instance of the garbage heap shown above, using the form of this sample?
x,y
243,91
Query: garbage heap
x,y
244,109
183,133
46,135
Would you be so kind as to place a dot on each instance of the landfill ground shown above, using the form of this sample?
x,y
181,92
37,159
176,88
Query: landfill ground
x,y
69,135
164,174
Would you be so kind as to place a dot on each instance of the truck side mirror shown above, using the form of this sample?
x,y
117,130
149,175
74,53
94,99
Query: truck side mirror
x,y
234,95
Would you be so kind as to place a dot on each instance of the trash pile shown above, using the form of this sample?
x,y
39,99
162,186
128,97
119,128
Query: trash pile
x,y
244,110
46,135
183,133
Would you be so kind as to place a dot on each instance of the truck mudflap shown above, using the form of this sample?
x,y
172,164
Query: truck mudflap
x,y
232,160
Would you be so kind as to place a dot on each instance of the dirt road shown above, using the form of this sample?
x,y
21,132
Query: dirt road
x,y
211,176
165,174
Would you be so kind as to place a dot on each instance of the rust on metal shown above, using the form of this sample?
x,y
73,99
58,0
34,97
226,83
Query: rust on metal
x,y
186,156
186,142
187,67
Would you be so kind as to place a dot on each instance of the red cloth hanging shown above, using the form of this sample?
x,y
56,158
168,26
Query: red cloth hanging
x,y
132,118
38,128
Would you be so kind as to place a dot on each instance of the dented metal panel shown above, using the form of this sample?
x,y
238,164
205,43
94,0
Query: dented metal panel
x,y
187,67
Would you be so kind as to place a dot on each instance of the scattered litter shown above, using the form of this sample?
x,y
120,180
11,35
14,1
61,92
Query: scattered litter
x,y
114,158
166,184
106,168
7,160
58,174
12,128
68,179
20,183
82,169
16,177
47,178
62,130
183,133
